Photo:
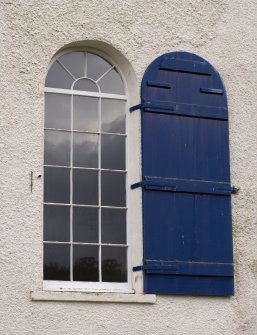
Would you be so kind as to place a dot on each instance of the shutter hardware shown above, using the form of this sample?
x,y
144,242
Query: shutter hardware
x,y
185,186
186,268
152,107
158,84
192,110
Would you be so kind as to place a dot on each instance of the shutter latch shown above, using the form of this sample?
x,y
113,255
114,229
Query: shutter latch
x,y
235,190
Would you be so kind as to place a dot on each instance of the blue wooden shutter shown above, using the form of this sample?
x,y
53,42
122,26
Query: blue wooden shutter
x,y
187,227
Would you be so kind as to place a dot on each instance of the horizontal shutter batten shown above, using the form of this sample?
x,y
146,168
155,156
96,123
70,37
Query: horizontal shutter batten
x,y
187,186
207,112
211,112
189,268
186,66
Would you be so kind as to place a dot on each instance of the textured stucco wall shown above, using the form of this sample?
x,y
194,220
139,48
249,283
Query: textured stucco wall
x,y
31,32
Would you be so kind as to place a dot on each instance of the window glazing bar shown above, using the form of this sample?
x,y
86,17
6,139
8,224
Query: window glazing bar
x,y
86,93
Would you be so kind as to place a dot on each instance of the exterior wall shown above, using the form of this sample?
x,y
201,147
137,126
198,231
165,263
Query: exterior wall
x,y
32,31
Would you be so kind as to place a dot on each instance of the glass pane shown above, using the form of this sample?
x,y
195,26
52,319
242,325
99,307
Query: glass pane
x,y
57,111
113,116
96,66
85,85
58,77
57,185
85,263
85,187
85,113
85,150
74,62
113,226
113,188
113,152
56,223
56,262
57,148
85,224
112,83
114,264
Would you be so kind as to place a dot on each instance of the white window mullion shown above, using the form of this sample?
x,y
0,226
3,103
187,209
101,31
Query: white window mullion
x,y
71,194
86,93
85,65
99,193
103,75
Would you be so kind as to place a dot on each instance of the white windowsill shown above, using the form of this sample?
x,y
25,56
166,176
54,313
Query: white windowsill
x,y
93,297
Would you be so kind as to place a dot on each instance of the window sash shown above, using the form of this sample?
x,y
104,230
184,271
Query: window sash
x,y
110,286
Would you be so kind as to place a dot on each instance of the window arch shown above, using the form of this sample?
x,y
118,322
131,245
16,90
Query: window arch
x,y
85,202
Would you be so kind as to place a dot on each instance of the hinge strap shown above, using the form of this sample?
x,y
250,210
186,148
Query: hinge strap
x,y
185,186
186,268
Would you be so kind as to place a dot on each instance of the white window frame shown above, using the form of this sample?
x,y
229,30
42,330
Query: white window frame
x,y
53,285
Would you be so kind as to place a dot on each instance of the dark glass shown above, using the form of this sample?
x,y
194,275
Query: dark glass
x,y
85,224
56,261
58,77
56,223
113,152
57,185
57,147
114,264
85,150
96,66
85,85
74,62
85,263
57,111
113,225
85,113
113,188
112,83
113,116
85,187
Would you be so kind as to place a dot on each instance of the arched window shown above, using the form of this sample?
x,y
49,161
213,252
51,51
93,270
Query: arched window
x,y
85,210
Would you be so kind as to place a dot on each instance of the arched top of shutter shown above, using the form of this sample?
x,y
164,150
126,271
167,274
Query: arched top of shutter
x,y
184,83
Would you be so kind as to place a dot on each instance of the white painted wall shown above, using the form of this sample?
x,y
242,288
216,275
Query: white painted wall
x,y
31,32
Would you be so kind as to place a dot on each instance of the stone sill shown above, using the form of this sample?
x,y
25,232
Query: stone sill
x,y
93,297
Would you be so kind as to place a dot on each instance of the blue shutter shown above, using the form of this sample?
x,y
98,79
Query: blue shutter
x,y
187,226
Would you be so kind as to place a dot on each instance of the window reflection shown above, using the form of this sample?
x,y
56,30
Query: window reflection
x,y
114,264
85,85
56,262
57,77
56,223
96,66
56,185
113,152
113,188
113,116
85,224
85,187
74,63
112,83
85,113
57,148
57,111
85,150
85,260
113,225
